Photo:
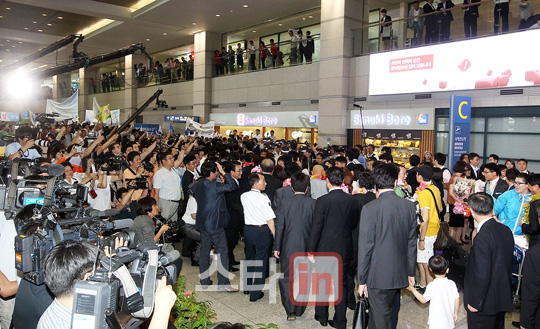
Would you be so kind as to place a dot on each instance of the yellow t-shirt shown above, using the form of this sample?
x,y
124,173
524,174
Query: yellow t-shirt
x,y
425,199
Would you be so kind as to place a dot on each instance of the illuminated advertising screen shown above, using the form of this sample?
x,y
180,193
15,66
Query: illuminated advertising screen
x,y
509,60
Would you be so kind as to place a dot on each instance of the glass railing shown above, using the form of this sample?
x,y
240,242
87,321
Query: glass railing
x,y
284,54
165,74
457,22
108,82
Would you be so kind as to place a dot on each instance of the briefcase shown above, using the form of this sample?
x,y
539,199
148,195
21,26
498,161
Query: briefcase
x,y
361,314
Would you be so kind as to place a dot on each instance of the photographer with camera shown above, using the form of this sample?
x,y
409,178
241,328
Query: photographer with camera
x,y
135,172
66,264
126,206
23,148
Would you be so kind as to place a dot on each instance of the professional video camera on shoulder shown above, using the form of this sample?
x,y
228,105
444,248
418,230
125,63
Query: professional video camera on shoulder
x,y
137,182
111,164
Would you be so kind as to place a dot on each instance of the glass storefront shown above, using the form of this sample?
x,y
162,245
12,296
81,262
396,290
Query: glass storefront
x,y
509,132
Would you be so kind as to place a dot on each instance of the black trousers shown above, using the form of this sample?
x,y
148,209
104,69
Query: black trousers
x,y
284,283
258,241
252,62
480,321
340,318
381,303
216,238
500,11
470,24
445,29
432,33
232,233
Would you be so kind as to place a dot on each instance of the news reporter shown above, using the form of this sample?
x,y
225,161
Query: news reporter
x,y
23,147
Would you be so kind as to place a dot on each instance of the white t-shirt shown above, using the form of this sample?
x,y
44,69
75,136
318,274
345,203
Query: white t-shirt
x,y
191,208
102,201
441,294
7,258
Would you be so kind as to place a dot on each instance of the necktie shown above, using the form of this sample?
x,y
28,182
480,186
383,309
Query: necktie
x,y
488,188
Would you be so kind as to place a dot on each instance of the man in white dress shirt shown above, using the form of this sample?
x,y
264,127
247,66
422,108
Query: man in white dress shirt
x,y
167,184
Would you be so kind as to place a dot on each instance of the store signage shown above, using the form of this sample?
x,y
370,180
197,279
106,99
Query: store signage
x,y
462,65
312,119
382,119
180,118
146,127
244,120
407,119
393,134
422,119
460,127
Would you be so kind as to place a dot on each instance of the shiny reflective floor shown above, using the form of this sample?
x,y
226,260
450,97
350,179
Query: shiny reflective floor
x,y
236,307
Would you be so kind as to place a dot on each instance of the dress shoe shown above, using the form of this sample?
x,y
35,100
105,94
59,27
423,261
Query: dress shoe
x,y
204,286
228,289
291,317
467,237
234,262
323,323
254,300
233,269
516,324
246,292
332,324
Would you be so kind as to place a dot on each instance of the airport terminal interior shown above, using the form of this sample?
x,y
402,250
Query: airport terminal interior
x,y
457,79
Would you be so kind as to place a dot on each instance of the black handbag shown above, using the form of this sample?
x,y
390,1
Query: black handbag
x,y
361,314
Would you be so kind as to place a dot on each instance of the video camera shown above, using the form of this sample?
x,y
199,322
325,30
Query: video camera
x,y
138,183
46,120
175,231
111,164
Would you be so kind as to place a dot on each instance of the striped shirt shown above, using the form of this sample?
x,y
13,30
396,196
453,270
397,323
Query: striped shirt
x,y
168,182
56,316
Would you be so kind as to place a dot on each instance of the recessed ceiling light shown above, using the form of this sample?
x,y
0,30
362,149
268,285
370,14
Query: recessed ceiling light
x,y
193,23
13,46
7,49
194,32
310,16
164,33
49,24
20,41
217,15
1,16
254,31
231,10
280,24
60,17
34,22
7,8
26,28
40,30
44,15
147,39
7,40
245,6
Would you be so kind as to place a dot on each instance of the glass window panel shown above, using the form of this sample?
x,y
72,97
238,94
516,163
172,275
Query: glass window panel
x,y
373,45
510,124
374,16
477,144
373,32
514,146
441,142
478,124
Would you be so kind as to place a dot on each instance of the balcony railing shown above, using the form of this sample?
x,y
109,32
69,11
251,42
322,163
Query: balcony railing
x,y
457,22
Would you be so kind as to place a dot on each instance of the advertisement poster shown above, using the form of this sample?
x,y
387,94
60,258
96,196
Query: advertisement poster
x,y
509,60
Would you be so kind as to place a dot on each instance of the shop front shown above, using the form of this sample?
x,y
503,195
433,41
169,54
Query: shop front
x,y
405,131
299,125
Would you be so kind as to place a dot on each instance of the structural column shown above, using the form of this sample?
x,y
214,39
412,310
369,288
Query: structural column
x,y
86,91
205,44
62,86
338,18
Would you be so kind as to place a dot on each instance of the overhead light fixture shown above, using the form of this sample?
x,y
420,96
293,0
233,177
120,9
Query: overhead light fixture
x,y
44,15
34,22
164,33
194,32
245,6
147,39
26,28
7,8
193,23
254,31
40,30
1,16
20,42
13,46
49,24
280,24
7,49
60,17
310,16
217,15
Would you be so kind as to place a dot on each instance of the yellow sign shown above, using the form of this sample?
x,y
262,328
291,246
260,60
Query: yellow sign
x,y
461,114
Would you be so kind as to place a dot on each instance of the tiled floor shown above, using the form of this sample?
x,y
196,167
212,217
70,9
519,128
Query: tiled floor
x,y
236,307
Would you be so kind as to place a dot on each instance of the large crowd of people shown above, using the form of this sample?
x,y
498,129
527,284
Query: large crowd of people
x,y
385,221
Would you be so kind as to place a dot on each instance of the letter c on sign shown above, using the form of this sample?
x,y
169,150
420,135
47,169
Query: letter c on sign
x,y
460,114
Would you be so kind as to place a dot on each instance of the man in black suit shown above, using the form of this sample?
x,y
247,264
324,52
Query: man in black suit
x,y
470,18
488,275
190,162
236,213
530,288
292,235
474,161
533,228
414,161
212,218
335,215
432,28
495,186
272,183
386,247
286,192
445,17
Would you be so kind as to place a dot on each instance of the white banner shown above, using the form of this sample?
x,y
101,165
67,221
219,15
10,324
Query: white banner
x,y
103,114
203,130
115,116
69,109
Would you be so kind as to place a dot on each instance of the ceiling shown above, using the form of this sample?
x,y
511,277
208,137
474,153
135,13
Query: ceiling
x,y
161,25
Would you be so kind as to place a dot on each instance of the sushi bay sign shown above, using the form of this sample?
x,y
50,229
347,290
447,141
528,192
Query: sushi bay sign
x,y
409,119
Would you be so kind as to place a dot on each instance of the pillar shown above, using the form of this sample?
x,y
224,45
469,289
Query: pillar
x,y
86,92
58,81
204,43
338,18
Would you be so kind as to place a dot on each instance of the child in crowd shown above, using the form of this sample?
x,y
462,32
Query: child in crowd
x,y
442,295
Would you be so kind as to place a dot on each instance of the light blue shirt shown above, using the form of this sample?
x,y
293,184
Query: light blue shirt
x,y
56,316
362,161
14,147
509,209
